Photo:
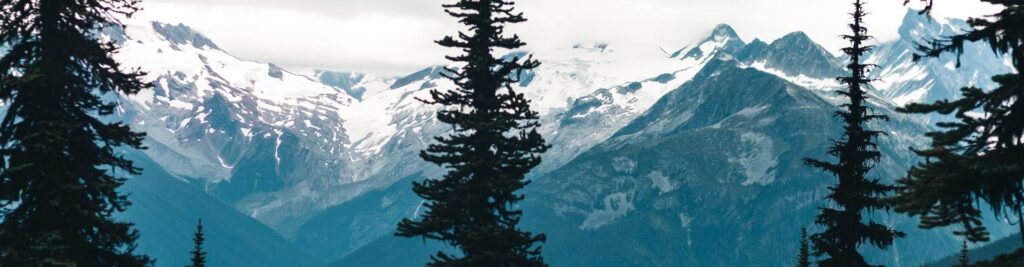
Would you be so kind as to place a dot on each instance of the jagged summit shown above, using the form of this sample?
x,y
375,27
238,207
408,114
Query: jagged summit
x,y
793,55
919,27
723,31
754,50
722,40
431,73
797,38
183,35
905,81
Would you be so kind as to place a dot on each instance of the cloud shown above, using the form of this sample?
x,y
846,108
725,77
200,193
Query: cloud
x,y
325,7
393,37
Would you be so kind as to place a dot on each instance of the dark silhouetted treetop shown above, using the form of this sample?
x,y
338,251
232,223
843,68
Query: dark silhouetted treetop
x,y
804,258
198,255
855,196
493,145
59,182
965,258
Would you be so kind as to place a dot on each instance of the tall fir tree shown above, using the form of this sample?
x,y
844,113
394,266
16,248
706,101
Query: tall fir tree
x,y
965,256
198,254
58,182
493,145
977,159
855,196
804,258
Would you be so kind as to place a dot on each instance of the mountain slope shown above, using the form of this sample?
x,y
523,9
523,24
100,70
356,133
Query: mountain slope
x,y
983,253
905,81
583,96
326,160
246,132
165,211
165,206
794,54
720,154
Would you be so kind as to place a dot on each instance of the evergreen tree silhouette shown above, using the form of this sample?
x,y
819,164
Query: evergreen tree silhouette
x,y
58,184
493,145
978,159
198,255
855,195
804,258
965,258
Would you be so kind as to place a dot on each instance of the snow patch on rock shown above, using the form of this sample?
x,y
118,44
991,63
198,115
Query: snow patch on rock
x,y
758,160
616,206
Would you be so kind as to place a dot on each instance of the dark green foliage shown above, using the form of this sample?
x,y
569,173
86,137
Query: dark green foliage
x,y
198,255
804,258
846,226
979,158
494,143
965,256
58,186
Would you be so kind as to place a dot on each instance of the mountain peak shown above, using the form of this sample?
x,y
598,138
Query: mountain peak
x,y
756,49
914,15
797,35
722,39
917,26
914,22
426,74
794,54
795,39
183,35
722,32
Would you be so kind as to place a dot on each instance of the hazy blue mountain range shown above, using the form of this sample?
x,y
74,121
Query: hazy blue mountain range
x,y
688,158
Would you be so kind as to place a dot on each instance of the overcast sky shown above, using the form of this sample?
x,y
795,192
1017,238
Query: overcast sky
x,y
393,37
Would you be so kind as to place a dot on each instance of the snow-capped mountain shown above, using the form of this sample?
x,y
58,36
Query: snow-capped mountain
x,y
325,158
723,39
904,81
248,132
719,154
583,95
794,55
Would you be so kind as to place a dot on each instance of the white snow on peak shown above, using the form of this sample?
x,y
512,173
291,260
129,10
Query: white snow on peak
x,y
570,73
904,80
817,84
201,93
599,87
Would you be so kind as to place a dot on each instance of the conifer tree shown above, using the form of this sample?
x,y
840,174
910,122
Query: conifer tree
x,y
59,179
855,196
976,160
965,258
493,145
804,258
198,255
